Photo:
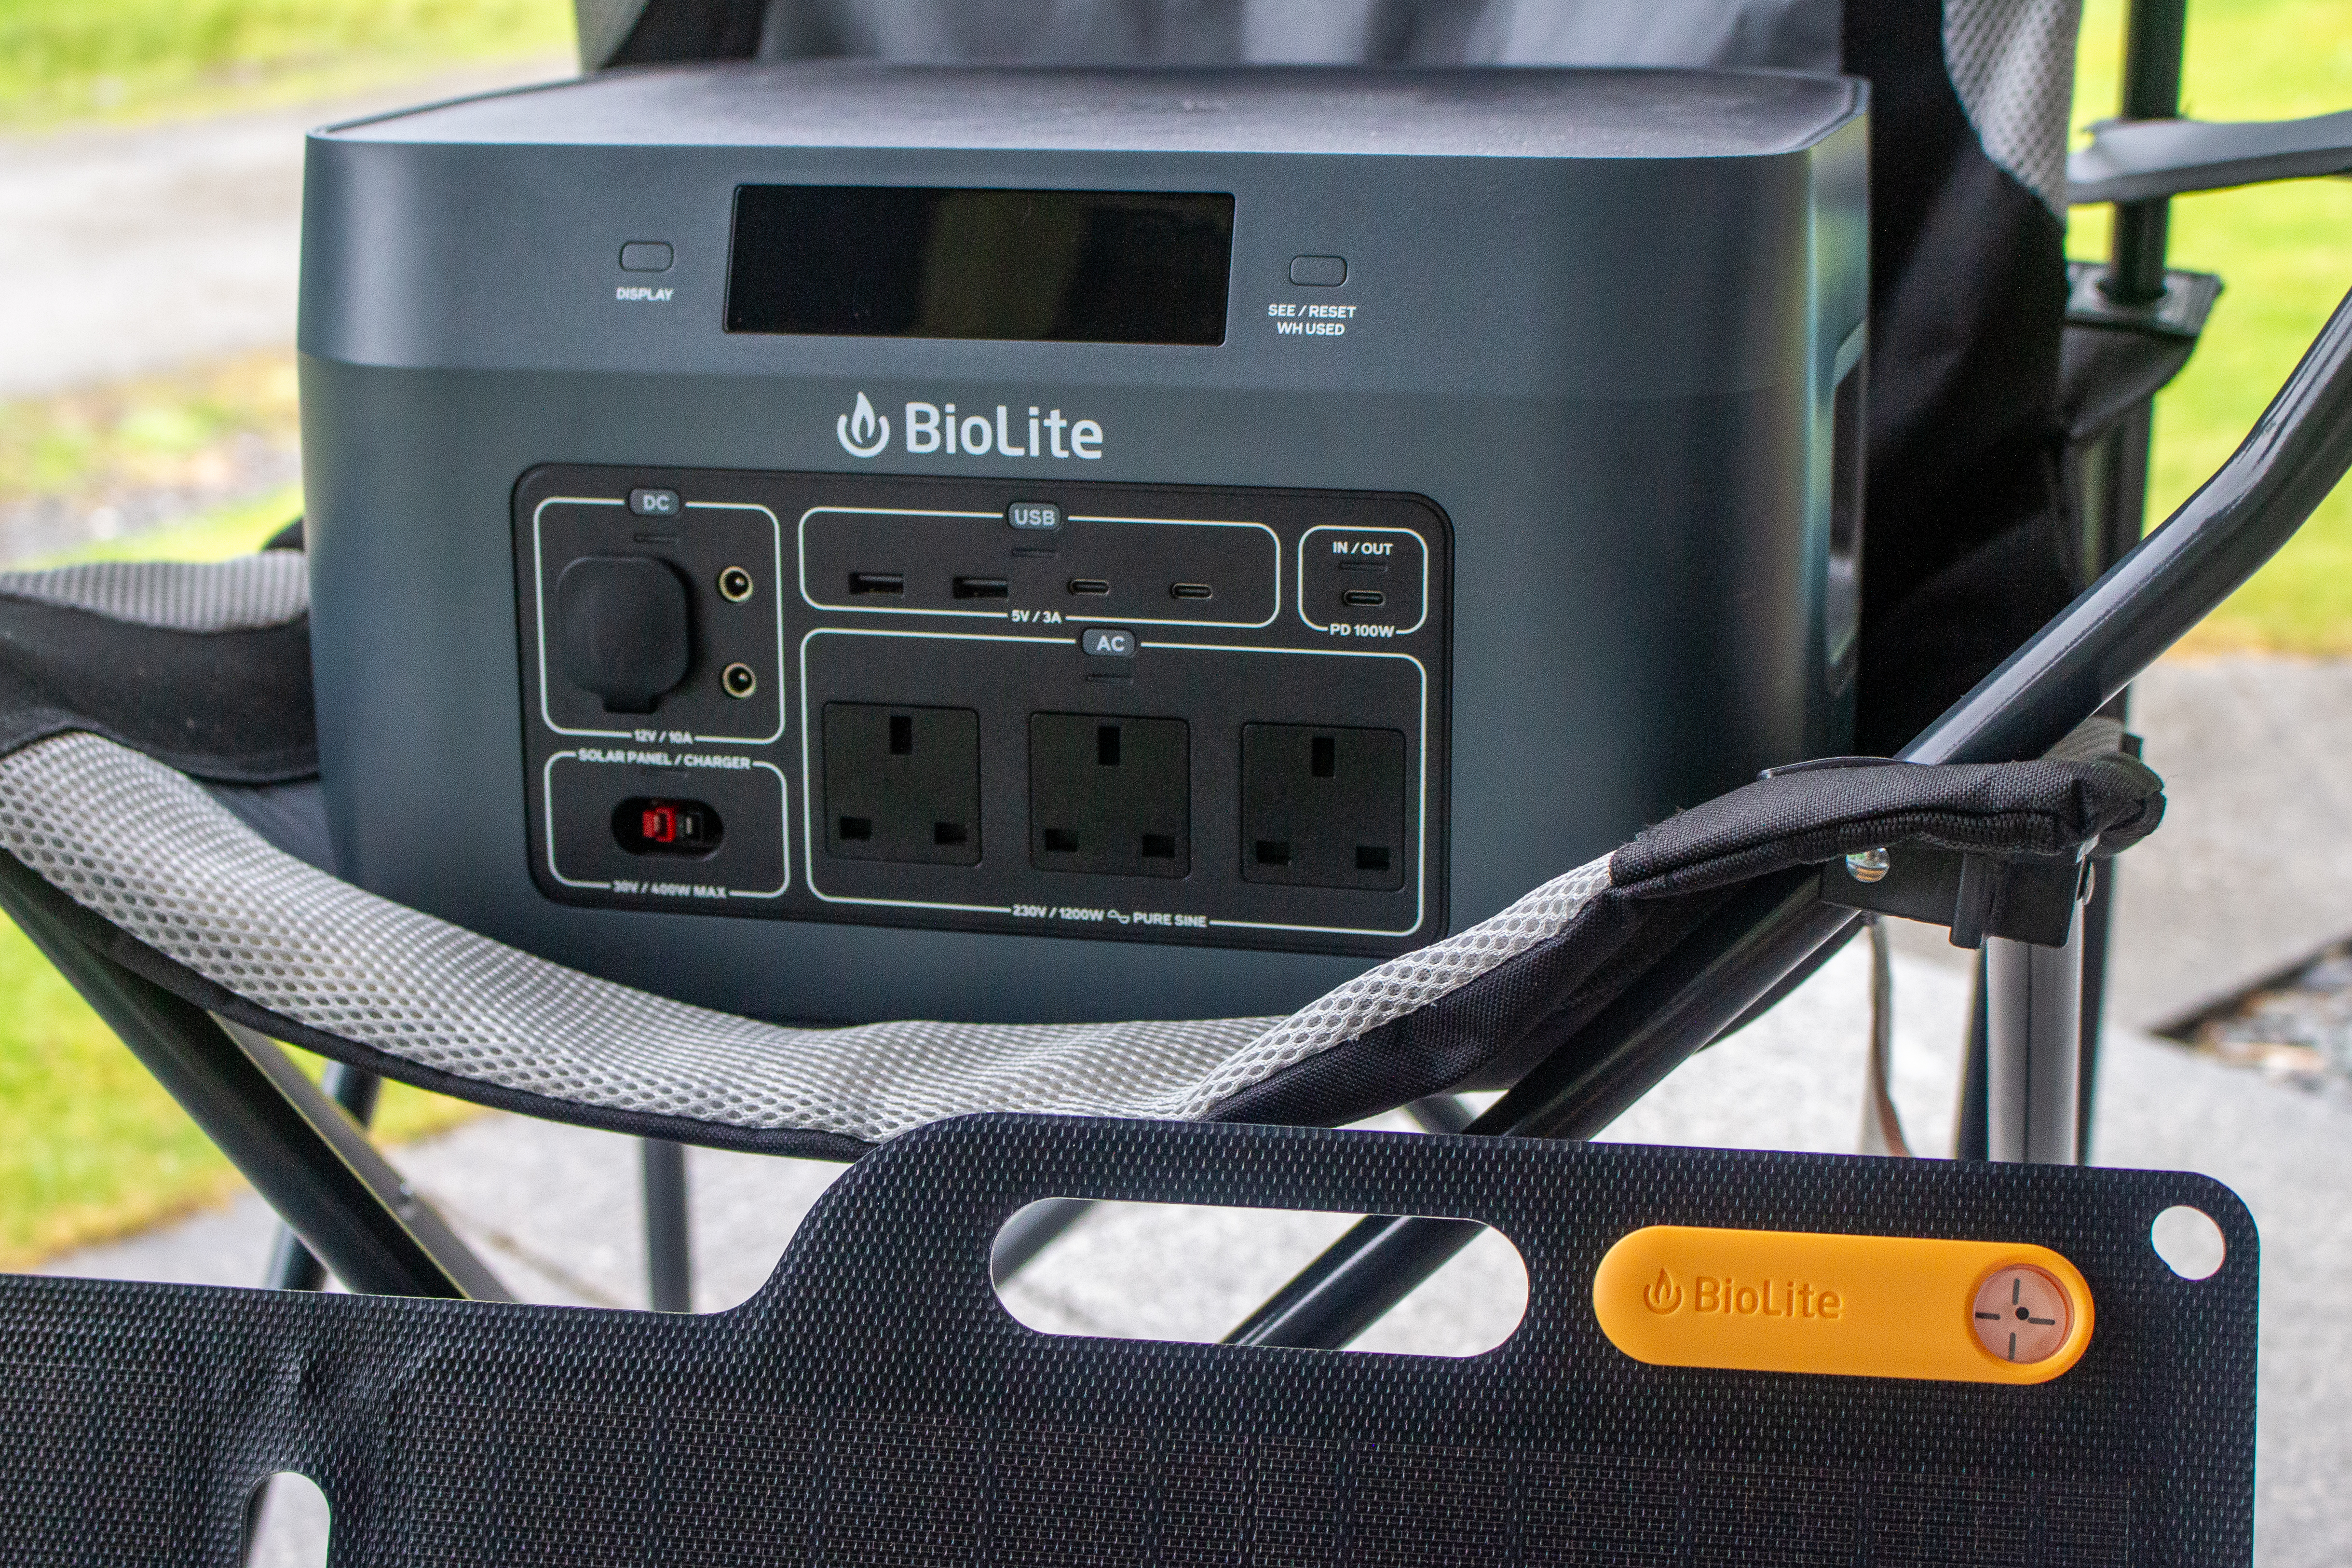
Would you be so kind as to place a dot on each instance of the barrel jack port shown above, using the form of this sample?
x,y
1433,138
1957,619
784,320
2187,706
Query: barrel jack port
x,y
738,680
735,584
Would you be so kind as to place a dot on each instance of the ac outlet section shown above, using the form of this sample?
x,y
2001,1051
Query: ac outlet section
x,y
1167,714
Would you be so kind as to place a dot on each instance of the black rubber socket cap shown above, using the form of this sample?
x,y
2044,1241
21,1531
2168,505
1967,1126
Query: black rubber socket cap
x,y
621,629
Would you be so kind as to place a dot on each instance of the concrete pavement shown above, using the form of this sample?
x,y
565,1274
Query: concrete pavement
x,y
137,250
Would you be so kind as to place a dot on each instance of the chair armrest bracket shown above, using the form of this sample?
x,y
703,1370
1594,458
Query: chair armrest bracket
x,y
2145,159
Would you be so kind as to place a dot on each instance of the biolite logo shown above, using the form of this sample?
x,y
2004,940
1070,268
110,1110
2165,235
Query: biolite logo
x,y
863,433
1728,1297
936,427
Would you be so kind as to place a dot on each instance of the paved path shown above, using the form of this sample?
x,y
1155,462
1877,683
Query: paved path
x,y
2252,867
142,249
541,1202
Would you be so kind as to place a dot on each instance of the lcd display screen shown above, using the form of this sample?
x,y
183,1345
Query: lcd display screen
x,y
894,261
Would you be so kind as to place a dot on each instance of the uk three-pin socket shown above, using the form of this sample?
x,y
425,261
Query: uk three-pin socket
x,y
902,784
1110,794
1323,808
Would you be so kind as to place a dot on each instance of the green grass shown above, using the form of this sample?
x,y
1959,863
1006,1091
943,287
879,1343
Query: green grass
x,y
115,60
90,1147
2285,252
179,431
238,530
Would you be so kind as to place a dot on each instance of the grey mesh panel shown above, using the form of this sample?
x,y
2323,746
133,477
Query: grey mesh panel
x,y
2012,64
245,595
150,851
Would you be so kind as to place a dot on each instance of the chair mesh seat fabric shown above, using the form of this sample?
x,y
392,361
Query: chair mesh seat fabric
x,y
145,849
221,915
248,594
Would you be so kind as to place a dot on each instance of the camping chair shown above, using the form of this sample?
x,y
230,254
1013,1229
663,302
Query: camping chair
x,y
164,850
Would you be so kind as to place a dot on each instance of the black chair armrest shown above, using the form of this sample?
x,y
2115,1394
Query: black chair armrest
x,y
2137,160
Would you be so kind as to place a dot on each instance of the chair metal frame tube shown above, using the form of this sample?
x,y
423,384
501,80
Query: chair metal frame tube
x,y
2295,453
669,1235
300,1150
292,1265
2155,32
1030,1232
2032,1051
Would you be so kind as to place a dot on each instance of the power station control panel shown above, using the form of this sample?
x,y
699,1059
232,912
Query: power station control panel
x,y
1170,714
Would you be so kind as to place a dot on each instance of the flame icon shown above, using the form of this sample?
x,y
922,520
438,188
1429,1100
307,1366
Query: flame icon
x,y
1664,1295
865,432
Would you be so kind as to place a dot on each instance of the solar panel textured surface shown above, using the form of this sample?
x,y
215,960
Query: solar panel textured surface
x,y
875,1404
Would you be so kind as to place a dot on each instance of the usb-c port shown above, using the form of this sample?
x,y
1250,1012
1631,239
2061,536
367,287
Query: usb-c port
x,y
1088,586
877,582
1189,591
982,588
1363,598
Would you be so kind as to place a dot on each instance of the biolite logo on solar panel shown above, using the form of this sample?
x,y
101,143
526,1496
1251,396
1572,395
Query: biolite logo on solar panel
x,y
938,428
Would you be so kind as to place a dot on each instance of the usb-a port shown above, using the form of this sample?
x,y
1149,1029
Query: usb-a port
x,y
877,582
982,588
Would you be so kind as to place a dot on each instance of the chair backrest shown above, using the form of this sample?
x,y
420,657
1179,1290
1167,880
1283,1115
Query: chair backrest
x,y
1967,519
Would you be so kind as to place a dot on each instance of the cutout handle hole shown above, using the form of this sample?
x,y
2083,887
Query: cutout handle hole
x,y
1189,1274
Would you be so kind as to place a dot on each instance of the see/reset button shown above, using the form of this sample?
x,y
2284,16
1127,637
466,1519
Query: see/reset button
x,y
1318,271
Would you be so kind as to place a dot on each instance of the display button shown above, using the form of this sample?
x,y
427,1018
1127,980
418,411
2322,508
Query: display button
x,y
1112,642
1318,271
646,256
654,503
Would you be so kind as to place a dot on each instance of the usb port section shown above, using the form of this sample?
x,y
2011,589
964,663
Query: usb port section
x,y
1190,591
1088,586
877,582
982,588
1363,598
